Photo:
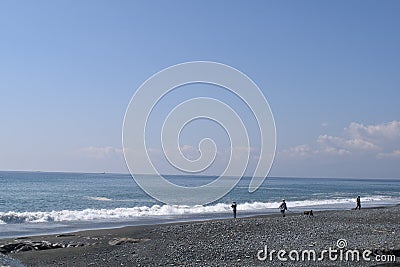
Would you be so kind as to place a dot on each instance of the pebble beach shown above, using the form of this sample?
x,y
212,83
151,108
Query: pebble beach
x,y
253,241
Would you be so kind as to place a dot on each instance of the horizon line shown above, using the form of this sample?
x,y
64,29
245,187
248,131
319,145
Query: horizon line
x,y
164,174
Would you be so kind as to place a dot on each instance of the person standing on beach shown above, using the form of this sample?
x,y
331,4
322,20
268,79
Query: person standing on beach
x,y
358,203
234,205
283,207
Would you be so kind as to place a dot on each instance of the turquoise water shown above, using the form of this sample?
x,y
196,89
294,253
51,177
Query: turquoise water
x,y
38,202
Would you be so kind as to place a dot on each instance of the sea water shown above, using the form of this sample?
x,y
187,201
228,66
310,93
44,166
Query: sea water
x,y
33,203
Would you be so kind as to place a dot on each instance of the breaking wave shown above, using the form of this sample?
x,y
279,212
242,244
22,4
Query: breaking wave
x,y
99,198
12,217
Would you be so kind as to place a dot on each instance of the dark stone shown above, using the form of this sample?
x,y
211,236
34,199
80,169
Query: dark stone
x,y
65,235
36,245
24,248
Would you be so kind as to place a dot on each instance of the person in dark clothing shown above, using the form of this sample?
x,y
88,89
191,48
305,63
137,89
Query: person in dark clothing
x,y
283,207
234,209
358,203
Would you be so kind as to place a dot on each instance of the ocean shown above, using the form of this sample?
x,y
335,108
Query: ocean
x,y
35,203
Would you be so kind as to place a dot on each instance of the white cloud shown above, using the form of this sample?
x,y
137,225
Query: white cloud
x,y
360,144
346,144
333,151
393,154
380,141
306,151
187,148
297,151
101,152
389,131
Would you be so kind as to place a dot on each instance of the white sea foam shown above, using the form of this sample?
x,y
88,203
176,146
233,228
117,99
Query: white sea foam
x,y
99,198
171,210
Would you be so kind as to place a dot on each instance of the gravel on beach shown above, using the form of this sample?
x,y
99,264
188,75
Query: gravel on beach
x,y
229,242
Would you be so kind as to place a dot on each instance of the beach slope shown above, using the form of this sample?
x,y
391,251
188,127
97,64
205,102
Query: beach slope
x,y
230,242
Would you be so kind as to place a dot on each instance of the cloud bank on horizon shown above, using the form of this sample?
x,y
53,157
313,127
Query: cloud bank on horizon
x,y
361,150
379,141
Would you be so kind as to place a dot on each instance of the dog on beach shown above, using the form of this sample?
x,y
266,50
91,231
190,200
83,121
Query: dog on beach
x,y
309,213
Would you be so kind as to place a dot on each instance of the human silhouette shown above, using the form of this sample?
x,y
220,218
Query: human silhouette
x,y
358,203
234,205
283,207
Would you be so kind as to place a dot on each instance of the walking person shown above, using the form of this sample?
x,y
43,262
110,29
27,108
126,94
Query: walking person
x,y
283,207
358,203
234,205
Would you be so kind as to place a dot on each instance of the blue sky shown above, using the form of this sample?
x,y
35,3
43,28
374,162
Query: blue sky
x,y
330,72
